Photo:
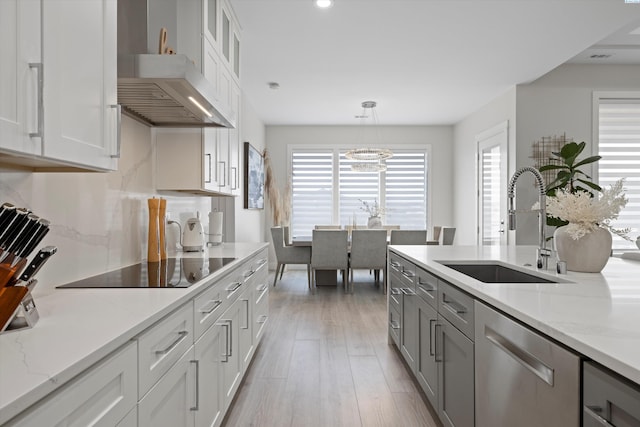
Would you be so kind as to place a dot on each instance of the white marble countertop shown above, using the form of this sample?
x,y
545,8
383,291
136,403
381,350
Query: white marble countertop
x,y
596,314
78,327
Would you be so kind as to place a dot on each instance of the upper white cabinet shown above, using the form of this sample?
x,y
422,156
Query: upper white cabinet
x,y
204,161
19,74
60,111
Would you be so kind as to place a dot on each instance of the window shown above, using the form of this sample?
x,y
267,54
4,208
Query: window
x,y
326,191
619,146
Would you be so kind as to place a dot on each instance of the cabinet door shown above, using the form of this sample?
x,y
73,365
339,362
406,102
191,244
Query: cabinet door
x,y
80,82
260,310
454,352
101,397
246,327
231,362
234,142
209,354
20,47
172,401
409,330
426,366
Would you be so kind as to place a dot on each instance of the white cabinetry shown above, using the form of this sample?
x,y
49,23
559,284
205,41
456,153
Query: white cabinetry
x,y
61,112
105,395
206,161
171,402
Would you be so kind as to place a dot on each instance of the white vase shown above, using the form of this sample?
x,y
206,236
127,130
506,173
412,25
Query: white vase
x,y
374,222
589,254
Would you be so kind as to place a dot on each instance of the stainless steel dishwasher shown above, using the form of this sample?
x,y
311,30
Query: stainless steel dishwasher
x,y
522,378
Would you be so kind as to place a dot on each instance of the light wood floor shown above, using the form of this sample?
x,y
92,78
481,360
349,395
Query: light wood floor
x,y
324,361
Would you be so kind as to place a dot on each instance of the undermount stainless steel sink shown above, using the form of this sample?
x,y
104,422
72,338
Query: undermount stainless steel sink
x,y
495,273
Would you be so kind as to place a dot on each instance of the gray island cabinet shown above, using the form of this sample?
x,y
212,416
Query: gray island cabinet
x,y
484,354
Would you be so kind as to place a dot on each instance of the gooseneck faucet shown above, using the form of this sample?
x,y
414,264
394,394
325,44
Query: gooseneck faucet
x,y
542,253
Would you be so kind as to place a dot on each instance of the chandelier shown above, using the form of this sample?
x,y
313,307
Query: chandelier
x,y
369,159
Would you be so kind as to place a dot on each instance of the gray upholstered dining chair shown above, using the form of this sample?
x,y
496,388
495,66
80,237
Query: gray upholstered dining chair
x,y
408,237
368,251
329,251
286,254
448,233
328,227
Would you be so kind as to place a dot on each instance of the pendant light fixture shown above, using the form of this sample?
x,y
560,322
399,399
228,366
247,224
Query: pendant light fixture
x,y
369,159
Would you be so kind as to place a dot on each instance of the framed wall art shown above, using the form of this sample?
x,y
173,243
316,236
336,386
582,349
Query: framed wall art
x,y
253,178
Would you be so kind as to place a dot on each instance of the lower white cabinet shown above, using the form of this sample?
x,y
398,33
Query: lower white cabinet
x,y
103,396
231,359
172,401
209,355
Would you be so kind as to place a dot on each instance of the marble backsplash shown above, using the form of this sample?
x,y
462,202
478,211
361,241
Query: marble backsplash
x,y
98,220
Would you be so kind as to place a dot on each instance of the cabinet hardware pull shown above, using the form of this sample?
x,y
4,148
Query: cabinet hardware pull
x,y
526,359
224,173
227,332
261,287
395,291
262,261
592,411
210,306
427,287
207,181
233,287
454,307
118,130
171,346
247,301
394,325
408,274
437,334
234,174
40,109
230,338
395,264
262,319
431,328
197,407
408,291
247,274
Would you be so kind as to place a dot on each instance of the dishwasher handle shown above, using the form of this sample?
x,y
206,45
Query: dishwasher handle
x,y
526,359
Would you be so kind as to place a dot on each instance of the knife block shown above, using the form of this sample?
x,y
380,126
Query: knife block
x,y
25,314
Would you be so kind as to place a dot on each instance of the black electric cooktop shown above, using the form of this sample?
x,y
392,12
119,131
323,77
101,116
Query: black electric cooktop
x,y
172,273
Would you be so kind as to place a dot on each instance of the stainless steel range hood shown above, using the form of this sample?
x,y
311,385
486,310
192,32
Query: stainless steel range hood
x,y
161,90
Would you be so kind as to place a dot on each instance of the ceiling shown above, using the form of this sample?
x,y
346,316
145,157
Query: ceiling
x,y
425,62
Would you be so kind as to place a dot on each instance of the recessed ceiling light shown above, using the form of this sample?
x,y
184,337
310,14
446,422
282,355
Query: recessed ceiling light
x,y
274,85
323,4
600,56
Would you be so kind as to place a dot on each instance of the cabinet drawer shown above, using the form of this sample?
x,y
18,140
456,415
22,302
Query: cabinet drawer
x,y
457,307
102,396
261,310
403,270
208,307
233,285
427,287
162,345
608,399
394,326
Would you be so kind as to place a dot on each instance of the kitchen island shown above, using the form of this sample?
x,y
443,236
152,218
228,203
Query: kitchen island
x,y
80,327
595,314
519,339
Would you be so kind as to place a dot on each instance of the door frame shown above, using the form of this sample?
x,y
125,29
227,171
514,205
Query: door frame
x,y
483,141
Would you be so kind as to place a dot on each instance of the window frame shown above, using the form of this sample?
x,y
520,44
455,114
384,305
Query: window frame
x,y
598,98
336,148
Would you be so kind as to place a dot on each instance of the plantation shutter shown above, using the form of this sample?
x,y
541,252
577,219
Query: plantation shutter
x,y
312,190
619,146
406,190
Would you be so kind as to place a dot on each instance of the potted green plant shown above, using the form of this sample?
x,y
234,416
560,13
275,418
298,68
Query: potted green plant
x,y
569,176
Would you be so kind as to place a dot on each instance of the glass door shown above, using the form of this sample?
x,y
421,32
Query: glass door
x,y
492,185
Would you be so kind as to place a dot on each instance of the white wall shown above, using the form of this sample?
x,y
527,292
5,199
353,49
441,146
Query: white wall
x,y
249,223
439,137
98,220
561,102
464,163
